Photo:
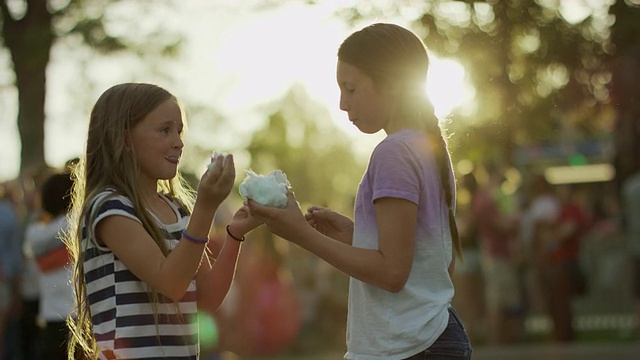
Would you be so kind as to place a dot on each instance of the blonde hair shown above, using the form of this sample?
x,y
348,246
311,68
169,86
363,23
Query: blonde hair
x,y
109,164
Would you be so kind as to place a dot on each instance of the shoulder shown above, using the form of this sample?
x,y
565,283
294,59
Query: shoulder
x,y
403,145
109,202
403,139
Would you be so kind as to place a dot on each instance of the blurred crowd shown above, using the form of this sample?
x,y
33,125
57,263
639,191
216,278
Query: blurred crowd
x,y
525,251
21,322
523,254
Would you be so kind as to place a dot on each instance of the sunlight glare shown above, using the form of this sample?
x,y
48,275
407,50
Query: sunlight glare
x,y
446,85
270,52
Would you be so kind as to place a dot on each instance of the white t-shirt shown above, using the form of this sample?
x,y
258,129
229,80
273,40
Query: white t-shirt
x,y
56,293
392,326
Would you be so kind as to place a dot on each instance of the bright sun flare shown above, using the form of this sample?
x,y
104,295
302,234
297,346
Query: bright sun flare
x,y
446,86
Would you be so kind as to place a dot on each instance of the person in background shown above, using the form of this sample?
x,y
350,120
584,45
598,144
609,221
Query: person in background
x,y
399,249
29,329
631,213
497,231
10,263
468,278
562,277
43,243
538,229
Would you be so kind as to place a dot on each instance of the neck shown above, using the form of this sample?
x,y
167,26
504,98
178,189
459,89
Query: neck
x,y
402,122
148,190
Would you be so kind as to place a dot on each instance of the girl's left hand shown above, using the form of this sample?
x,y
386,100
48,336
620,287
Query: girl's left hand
x,y
288,223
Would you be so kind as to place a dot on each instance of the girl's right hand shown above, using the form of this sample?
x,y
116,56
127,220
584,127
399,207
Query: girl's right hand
x,y
242,222
330,223
217,182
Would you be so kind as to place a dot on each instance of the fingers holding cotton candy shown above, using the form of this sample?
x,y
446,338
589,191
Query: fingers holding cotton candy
x,y
217,158
268,190
217,182
288,222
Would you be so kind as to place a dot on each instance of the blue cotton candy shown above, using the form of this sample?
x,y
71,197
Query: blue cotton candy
x,y
268,190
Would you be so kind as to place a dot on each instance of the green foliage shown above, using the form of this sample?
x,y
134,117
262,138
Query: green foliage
x,y
109,26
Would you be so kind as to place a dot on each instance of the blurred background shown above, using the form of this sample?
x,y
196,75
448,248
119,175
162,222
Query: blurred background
x,y
539,99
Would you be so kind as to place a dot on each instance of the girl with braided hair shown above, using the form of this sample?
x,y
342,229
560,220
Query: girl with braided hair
x,y
399,249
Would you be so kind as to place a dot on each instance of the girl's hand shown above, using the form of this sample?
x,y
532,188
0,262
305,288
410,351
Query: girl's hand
x,y
217,182
288,223
242,222
330,223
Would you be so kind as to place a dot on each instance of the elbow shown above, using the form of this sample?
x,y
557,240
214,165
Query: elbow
x,y
396,282
395,287
174,293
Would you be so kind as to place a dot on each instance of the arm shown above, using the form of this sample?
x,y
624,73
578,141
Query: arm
x,y
215,276
169,275
387,267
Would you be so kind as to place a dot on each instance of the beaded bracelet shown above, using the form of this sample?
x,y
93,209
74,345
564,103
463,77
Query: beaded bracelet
x,y
193,239
232,236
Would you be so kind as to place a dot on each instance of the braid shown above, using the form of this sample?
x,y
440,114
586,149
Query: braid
x,y
444,163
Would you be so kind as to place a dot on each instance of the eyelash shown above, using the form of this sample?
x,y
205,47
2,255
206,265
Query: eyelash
x,y
166,130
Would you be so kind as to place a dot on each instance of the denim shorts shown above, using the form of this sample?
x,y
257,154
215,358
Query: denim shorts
x,y
452,344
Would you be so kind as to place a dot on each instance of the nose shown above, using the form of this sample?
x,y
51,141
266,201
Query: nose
x,y
179,143
344,106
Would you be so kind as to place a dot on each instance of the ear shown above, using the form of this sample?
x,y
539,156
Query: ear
x,y
393,88
390,87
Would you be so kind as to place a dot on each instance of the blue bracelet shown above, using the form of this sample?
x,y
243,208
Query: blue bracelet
x,y
186,235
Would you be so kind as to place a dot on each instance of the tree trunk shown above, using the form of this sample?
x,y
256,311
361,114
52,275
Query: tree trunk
x,y
625,91
29,40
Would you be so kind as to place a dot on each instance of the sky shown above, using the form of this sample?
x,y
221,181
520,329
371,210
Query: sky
x,y
235,59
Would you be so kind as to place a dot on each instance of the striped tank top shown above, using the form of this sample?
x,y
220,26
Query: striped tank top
x,y
124,323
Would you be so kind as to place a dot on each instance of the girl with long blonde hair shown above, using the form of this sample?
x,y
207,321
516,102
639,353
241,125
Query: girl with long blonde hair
x,y
142,269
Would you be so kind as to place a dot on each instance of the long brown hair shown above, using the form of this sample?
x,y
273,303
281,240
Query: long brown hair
x,y
393,55
109,164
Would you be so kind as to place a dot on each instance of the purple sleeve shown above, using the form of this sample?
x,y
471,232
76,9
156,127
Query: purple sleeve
x,y
394,172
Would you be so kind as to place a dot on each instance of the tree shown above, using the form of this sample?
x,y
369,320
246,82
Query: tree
x,y
625,39
30,28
